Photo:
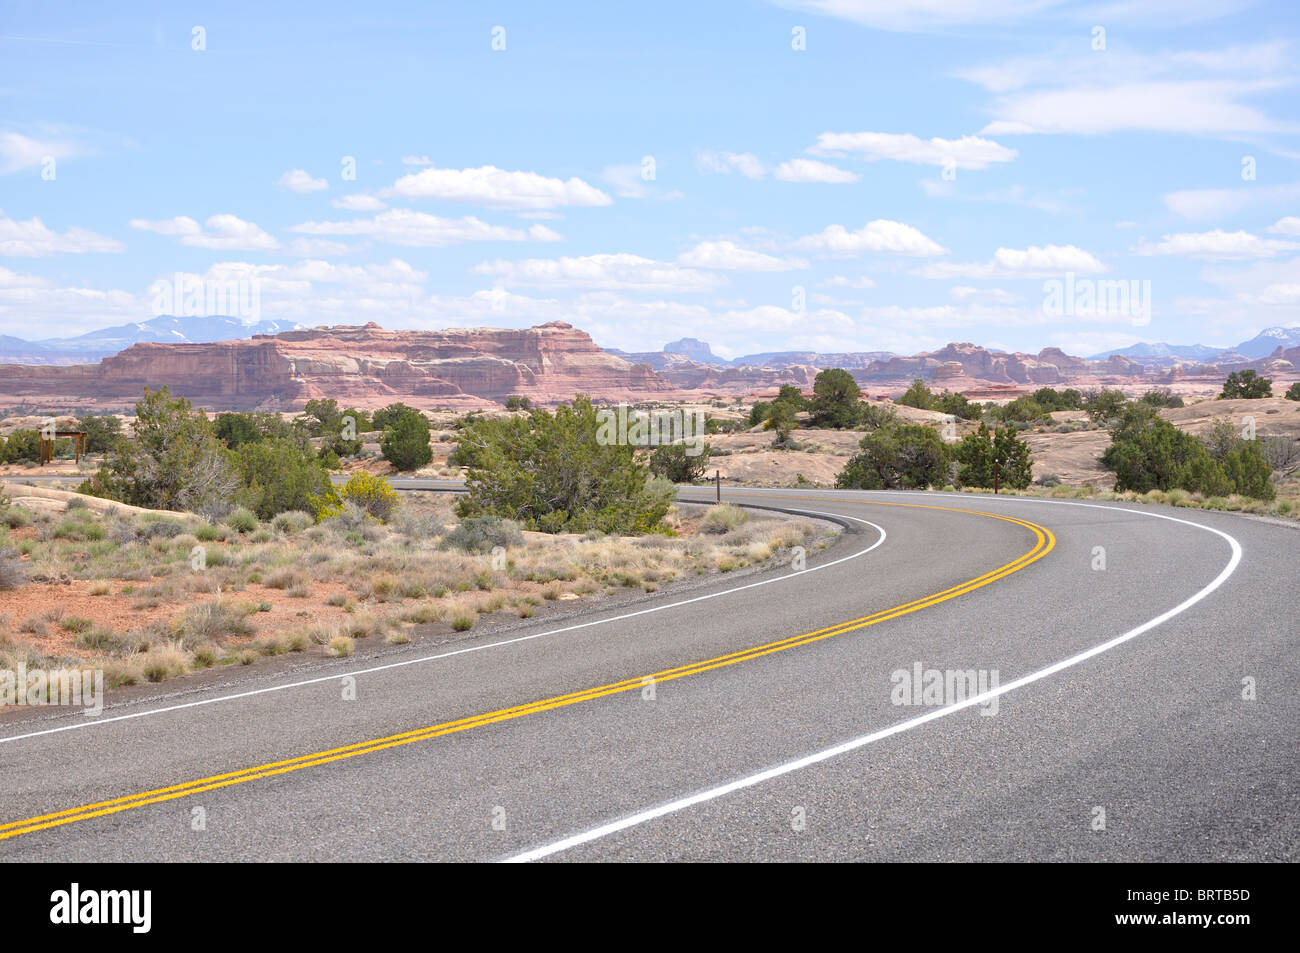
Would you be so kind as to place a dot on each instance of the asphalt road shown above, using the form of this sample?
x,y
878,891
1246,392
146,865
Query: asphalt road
x,y
1117,690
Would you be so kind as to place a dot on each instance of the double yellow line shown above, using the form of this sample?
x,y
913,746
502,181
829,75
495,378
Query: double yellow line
x,y
1044,543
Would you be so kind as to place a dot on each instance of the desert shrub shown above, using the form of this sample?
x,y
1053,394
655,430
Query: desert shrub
x,y
1104,405
918,395
12,573
241,520
836,399
369,492
1161,397
906,457
723,518
1048,479
1246,384
14,516
76,503
481,534
162,527
978,452
1052,400
291,522
212,622
278,475
173,460
675,462
555,472
1293,392
405,443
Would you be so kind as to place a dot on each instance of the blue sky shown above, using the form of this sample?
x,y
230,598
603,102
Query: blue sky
x,y
916,173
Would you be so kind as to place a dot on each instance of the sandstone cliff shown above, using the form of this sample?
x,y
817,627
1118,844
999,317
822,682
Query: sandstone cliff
x,y
459,368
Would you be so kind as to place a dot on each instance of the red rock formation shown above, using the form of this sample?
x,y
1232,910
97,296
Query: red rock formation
x,y
362,366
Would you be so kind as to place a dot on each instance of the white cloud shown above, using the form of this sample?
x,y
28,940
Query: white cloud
x,y
840,281
926,15
728,256
1197,107
496,188
968,152
313,247
34,239
970,293
407,227
610,272
18,152
359,202
416,160
629,183
1217,203
220,232
881,235
298,180
1031,262
724,163
810,170
1216,244
1290,225
29,302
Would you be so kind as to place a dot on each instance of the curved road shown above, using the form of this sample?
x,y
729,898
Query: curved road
x,y
759,718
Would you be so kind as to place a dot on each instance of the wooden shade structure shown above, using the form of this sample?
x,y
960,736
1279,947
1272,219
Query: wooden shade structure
x,y
78,443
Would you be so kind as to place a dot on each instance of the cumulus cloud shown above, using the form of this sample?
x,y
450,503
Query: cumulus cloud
x,y
19,153
810,170
1290,225
220,232
1031,262
881,235
298,180
34,239
1216,244
725,163
496,188
408,227
1201,204
841,281
359,203
610,272
968,152
728,256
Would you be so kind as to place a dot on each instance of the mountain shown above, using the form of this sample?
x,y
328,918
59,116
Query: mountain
x,y
1267,341
1161,352
169,329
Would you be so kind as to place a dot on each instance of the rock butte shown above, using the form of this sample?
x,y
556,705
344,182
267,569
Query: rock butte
x,y
458,368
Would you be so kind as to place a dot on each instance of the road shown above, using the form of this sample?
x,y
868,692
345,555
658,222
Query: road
x,y
1113,725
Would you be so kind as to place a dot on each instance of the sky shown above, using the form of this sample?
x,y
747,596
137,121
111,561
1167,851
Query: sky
x,y
831,175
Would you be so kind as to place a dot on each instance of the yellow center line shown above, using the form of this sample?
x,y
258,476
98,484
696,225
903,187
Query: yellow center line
x,y
1044,543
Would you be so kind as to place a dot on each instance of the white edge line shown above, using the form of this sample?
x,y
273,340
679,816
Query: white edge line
x,y
473,648
555,847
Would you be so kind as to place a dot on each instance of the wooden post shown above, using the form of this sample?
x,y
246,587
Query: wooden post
x,y
717,479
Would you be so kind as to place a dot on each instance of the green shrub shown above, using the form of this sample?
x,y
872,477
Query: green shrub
x,y
405,443
562,471
242,520
481,534
904,457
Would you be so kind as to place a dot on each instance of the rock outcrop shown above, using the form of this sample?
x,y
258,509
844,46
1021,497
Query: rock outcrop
x,y
458,368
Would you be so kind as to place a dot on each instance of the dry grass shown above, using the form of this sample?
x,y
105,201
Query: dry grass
x,y
172,596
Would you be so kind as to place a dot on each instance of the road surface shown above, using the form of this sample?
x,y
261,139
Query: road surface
x,y
1138,664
